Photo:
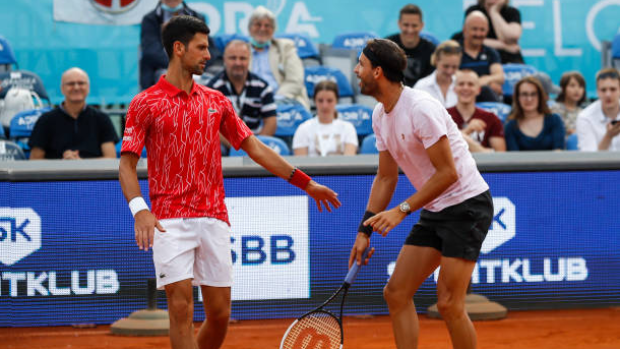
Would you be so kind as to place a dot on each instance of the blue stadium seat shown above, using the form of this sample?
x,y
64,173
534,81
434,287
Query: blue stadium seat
x,y
314,75
359,115
7,57
120,144
615,52
290,116
501,110
305,47
615,47
24,79
278,145
430,37
572,142
369,145
23,122
353,41
513,73
222,40
22,125
2,135
11,151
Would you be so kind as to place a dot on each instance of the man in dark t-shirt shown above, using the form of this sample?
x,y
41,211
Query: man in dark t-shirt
x,y
73,130
417,49
509,53
484,60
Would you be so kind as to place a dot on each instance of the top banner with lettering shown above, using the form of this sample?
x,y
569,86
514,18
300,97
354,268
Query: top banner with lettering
x,y
558,36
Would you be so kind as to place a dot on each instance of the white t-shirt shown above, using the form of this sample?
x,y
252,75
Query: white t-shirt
x,y
416,123
430,85
324,139
592,126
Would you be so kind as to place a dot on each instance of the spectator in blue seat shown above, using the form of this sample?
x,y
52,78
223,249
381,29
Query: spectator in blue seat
x,y
417,49
153,58
73,130
440,84
276,60
532,126
569,102
325,134
504,29
251,96
598,126
482,130
482,59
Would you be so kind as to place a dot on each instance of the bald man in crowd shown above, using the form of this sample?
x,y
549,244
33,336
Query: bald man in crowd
x,y
73,130
482,59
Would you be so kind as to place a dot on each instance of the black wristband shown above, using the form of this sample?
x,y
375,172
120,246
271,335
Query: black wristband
x,y
366,229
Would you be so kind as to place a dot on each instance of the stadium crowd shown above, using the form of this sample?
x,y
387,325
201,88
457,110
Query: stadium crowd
x,y
269,80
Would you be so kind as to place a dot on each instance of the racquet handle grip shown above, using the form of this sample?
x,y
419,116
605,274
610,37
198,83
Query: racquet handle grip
x,y
355,268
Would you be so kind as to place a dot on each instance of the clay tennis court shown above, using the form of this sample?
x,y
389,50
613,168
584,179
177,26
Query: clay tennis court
x,y
557,329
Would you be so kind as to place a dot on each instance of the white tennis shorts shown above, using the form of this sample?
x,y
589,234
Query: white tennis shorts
x,y
193,248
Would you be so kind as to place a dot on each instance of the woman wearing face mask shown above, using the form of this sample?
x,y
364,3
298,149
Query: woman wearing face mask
x,y
532,126
440,84
569,102
153,58
325,134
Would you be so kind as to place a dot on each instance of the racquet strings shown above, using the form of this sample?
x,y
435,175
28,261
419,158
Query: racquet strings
x,y
314,331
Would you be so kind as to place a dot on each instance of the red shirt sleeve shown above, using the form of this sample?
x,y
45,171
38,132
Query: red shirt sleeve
x,y
232,127
136,126
497,128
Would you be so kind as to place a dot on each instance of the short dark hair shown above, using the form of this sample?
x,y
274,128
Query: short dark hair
x,y
389,56
608,73
410,9
565,80
183,29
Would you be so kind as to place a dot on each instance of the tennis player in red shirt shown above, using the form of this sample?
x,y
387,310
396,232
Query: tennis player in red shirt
x,y
179,121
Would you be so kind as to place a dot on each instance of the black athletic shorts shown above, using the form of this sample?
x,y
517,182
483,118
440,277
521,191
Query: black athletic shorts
x,y
456,231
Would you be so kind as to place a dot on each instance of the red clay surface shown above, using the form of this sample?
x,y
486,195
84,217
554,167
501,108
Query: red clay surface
x,y
560,329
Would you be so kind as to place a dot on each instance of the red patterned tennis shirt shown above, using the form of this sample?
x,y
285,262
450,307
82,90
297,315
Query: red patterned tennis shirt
x,y
181,133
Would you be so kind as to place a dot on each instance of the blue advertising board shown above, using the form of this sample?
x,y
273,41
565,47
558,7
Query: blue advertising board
x,y
67,252
49,36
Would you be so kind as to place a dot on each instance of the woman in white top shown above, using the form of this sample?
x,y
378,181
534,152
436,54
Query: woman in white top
x,y
440,84
325,134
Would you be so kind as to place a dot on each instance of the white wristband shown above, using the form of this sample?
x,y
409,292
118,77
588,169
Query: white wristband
x,y
137,204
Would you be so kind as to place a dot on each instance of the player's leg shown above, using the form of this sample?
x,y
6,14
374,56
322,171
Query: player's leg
x,y
173,256
454,277
216,302
213,272
462,229
181,313
413,266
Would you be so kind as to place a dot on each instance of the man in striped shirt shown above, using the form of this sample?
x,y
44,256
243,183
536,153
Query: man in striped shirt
x,y
250,95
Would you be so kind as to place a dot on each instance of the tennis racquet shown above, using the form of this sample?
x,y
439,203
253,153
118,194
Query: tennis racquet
x,y
320,328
